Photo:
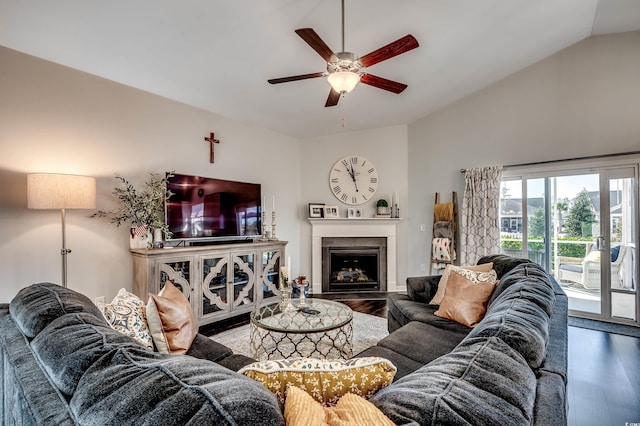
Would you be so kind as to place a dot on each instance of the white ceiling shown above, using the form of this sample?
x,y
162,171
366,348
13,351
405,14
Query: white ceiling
x,y
217,55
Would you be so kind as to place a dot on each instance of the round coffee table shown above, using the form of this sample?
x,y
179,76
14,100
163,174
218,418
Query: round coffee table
x,y
281,334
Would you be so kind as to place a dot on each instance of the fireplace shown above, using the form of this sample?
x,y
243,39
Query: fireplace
x,y
354,264
352,230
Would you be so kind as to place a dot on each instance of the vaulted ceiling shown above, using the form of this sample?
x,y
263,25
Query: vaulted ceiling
x,y
217,55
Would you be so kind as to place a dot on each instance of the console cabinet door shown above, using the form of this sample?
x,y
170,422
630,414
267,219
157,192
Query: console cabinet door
x,y
242,283
214,297
270,276
177,270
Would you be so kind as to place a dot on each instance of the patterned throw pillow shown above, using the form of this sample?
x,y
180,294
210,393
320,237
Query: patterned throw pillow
x,y
477,274
325,380
127,314
301,409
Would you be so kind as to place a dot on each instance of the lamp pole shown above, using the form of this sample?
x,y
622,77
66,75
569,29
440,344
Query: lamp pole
x,y
64,251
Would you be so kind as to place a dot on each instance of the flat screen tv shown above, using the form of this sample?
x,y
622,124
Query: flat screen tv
x,y
204,208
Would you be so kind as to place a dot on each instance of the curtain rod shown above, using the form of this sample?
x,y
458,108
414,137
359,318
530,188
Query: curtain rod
x,y
591,157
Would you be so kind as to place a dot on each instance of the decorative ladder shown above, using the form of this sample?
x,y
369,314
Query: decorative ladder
x,y
444,232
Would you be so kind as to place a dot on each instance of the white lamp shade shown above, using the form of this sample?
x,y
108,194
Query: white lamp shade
x,y
343,81
58,191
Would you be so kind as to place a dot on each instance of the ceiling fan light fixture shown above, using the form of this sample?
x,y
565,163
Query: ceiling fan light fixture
x,y
343,81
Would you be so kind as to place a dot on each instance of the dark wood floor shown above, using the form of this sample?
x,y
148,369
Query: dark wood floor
x,y
604,368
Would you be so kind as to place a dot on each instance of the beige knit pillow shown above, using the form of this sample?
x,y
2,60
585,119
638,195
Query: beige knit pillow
x,y
301,409
472,273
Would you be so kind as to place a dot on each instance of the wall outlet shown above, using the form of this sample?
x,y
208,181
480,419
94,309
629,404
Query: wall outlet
x,y
422,227
423,267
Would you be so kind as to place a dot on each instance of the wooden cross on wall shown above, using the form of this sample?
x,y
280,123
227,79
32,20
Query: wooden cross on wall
x,y
211,141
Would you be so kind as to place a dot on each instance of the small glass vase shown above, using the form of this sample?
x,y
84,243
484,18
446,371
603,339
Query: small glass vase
x,y
285,303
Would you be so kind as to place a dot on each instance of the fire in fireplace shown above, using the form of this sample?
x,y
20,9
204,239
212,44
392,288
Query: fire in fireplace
x,y
354,264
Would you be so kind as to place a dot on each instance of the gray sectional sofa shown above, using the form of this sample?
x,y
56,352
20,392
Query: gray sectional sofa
x,y
511,369
62,363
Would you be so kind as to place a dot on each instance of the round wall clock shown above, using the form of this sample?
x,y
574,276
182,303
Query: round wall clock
x,y
353,180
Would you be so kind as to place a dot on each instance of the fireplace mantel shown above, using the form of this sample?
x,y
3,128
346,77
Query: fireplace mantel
x,y
352,228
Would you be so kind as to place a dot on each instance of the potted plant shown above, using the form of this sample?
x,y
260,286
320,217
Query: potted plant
x,y
142,209
382,207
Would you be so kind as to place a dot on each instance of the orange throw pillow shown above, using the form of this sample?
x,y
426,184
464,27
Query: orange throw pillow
x,y
465,301
466,270
171,321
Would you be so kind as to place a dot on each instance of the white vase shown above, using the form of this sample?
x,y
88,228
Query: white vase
x,y
140,237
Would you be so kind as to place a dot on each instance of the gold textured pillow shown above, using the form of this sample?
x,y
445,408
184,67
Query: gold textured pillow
x,y
300,409
475,273
127,314
465,301
171,321
325,380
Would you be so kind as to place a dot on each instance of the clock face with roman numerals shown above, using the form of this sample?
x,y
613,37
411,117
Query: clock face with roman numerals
x,y
353,180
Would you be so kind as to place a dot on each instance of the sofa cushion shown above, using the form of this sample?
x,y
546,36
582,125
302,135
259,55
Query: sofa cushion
x,y
534,278
403,364
405,310
481,382
35,306
72,343
171,321
502,263
465,301
134,386
421,342
520,314
478,273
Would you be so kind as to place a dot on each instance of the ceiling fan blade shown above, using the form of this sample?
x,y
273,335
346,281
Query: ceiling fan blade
x,y
392,49
295,78
333,98
382,83
316,43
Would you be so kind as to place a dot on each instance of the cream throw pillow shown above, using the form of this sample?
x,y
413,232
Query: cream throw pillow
x,y
473,273
300,409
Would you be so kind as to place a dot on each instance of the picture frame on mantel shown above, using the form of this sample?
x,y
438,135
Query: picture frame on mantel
x,y
316,210
331,212
354,213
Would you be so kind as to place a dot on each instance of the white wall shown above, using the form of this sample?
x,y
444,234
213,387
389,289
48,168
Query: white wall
x,y
55,119
582,101
386,148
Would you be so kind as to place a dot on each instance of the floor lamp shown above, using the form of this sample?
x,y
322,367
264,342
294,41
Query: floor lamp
x,y
49,191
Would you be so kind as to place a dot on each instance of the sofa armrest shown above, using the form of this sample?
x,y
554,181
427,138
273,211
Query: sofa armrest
x,y
422,289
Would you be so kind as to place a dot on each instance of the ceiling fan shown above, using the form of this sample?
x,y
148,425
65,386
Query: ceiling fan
x,y
345,70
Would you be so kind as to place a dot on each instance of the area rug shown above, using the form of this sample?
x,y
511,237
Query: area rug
x,y
607,327
367,331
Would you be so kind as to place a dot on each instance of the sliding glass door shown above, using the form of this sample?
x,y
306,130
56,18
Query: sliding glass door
x,y
582,227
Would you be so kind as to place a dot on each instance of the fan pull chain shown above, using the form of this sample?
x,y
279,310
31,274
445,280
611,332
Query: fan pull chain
x,y
342,119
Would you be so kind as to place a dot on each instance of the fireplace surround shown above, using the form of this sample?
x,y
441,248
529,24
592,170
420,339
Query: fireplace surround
x,y
350,229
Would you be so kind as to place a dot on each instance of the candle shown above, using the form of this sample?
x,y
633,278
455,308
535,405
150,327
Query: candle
x,y
273,207
288,266
264,203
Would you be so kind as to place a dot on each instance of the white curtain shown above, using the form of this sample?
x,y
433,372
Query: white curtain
x,y
480,230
